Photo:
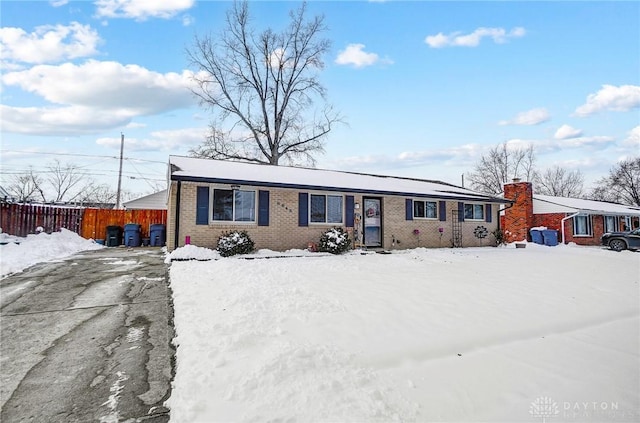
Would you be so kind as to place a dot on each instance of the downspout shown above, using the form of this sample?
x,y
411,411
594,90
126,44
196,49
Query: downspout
x,y
513,203
562,223
176,231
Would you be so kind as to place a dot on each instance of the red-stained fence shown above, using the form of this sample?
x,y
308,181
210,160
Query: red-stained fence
x,y
23,219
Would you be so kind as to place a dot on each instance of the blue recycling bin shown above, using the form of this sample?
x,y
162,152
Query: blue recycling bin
x,y
550,237
536,236
132,235
158,235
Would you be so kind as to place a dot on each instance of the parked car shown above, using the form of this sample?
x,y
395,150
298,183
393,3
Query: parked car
x,y
622,240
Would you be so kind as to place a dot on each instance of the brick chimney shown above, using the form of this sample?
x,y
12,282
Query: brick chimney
x,y
518,218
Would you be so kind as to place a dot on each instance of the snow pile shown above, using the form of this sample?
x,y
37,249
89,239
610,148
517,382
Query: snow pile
x,y
477,334
20,253
192,252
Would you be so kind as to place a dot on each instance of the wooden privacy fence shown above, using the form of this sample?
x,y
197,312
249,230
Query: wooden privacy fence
x,y
23,219
95,221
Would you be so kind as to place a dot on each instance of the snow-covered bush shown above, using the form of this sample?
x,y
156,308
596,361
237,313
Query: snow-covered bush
x,y
334,241
235,242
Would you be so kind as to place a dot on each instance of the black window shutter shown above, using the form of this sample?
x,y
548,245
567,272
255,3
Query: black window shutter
x,y
303,209
202,206
263,208
408,209
460,211
442,205
487,213
349,204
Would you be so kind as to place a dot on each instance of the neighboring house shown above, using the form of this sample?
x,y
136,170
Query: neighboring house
x,y
287,207
155,201
576,220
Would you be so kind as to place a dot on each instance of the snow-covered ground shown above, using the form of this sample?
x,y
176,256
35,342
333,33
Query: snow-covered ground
x,y
480,334
16,254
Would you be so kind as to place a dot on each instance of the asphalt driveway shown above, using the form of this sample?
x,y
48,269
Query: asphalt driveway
x,y
87,339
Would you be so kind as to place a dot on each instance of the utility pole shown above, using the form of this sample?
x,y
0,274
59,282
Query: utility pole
x,y
120,171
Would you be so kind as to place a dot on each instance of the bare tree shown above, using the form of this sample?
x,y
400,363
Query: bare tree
x,y
65,183
97,194
559,182
24,187
60,183
622,185
501,165
262,89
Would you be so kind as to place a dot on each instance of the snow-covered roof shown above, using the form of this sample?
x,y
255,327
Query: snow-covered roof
x,y
221,171
547,204
155,201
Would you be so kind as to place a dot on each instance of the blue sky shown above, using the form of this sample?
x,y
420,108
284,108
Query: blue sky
x,y
425,87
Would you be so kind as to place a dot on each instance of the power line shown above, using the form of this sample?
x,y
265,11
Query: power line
x,y
79,155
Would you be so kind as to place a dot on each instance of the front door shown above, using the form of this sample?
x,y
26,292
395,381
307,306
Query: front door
x,y
372,222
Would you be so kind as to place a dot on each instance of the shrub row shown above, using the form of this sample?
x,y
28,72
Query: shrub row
x,y
334,241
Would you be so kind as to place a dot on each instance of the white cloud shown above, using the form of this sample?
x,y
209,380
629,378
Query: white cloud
x,y
135,125
58,3
464,154
188,20
141,9
93,96
620,99
566,131
530,117
48,43
355,55
458,39
71,120
547,146
633,140
596,142
159,140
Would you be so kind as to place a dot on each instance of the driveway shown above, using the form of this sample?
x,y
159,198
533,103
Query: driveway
x,y
87,339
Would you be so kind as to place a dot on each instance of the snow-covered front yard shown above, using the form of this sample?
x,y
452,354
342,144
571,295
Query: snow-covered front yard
x,y
479,334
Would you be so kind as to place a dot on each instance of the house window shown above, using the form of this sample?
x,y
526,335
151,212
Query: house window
x,y
325,208
611,224
234,205
425,209
582,225
474,211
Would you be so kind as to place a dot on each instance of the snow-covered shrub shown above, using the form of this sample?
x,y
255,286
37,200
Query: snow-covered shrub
x,y
334,241
235,242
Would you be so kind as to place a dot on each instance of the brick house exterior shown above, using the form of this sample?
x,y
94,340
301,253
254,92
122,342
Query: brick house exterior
x,y
281,210
579,221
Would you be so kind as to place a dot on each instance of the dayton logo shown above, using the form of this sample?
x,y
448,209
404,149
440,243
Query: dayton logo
x,y
544,408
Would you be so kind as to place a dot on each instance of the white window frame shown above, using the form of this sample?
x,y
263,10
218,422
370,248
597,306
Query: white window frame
x,y
616,223
233,220
589,226
424,204
326,208
476,206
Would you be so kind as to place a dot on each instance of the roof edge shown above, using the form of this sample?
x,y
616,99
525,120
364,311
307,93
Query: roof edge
x,y
447,194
